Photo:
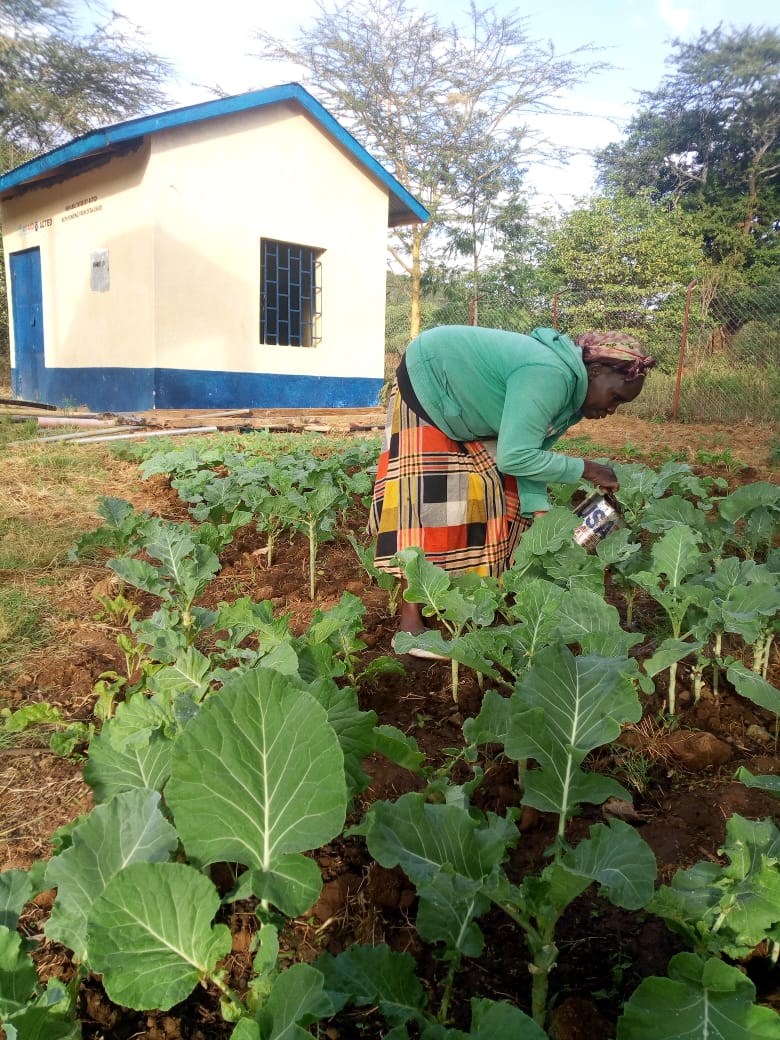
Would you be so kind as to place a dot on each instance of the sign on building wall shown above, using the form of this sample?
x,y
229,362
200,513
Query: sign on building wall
x,y
98,278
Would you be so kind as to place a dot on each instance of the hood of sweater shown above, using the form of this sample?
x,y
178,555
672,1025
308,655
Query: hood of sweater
x,y
567,351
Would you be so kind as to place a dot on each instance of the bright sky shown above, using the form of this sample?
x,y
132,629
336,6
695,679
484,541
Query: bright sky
x,y
212,46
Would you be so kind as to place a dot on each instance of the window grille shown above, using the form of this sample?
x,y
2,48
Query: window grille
x,y
290,294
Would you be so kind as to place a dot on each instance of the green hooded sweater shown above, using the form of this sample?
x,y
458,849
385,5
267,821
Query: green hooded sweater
x,y
524,390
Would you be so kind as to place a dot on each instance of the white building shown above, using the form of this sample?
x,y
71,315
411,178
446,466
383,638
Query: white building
x,y
228,254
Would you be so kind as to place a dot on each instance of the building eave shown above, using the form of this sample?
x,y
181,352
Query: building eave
x,y
403,207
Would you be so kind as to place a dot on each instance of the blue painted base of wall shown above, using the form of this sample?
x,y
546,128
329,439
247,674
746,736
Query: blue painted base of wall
x,y
137,389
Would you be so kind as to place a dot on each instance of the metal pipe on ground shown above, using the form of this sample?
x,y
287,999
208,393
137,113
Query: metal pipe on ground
x,y
148,433
73,435
50,437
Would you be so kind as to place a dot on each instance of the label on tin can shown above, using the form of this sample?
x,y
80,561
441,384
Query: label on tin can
x,y
599,517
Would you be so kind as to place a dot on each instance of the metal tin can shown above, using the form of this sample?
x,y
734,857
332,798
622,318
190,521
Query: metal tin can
x,y
600,514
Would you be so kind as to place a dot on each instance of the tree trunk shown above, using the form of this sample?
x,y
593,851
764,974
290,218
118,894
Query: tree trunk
x,y
414,313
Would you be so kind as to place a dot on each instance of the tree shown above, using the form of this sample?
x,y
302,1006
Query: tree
x,y
708,140
622,262
487,189
57,82
444,109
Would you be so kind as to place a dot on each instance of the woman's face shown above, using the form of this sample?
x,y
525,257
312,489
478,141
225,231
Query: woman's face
x,y
606,390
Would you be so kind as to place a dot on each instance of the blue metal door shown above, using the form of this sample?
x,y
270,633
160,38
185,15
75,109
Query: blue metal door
x,y
27,315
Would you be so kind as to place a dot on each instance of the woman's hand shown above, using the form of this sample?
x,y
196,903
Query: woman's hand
x,y
602,476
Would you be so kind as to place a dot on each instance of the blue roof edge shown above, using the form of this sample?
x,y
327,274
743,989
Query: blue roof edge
x,y
93,141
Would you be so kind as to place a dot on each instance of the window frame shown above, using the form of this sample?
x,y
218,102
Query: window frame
x,y
290,294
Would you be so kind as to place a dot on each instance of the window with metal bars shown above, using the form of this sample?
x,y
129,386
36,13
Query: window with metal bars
x,y
290,294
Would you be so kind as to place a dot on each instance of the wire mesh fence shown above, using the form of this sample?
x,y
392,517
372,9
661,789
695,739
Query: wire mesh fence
x,y
718,350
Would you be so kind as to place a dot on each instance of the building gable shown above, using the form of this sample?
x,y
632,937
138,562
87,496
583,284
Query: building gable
x,y
88,149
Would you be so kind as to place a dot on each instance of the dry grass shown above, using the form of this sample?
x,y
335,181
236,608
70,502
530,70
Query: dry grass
x,y
27,823
48,497
649,738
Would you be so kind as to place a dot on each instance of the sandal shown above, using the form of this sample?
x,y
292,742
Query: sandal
x,y
418,651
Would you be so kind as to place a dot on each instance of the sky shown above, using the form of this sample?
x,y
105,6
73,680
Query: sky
x,y
212,47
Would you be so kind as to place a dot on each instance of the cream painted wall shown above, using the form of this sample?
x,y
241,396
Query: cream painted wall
x,y
222,186
182,218
70,220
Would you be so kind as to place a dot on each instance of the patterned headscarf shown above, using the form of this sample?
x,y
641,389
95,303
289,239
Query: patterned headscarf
x,y
618,350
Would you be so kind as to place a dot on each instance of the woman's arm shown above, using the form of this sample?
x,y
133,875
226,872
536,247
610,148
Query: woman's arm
x,y
535,396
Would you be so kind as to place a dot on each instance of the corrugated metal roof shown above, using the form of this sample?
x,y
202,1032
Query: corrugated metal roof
x,y
403,207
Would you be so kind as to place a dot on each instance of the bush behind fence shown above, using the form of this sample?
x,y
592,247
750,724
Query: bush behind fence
x,y
718,352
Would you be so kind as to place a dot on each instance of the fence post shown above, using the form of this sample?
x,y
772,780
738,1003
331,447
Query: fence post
x,y
683,342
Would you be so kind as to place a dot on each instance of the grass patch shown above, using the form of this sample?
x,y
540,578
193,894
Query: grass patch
x,y
62,465
48,498
23,624
34,546
715,393
582,444
16,431
52,487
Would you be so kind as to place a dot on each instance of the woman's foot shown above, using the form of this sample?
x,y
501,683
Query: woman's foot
x,y
416,651
411,622
411,619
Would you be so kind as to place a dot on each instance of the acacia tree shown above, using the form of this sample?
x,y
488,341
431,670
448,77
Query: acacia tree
x,y
708,140
58,81
444,109
487,193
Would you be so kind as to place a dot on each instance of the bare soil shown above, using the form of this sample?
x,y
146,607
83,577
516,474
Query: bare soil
x,y
682,797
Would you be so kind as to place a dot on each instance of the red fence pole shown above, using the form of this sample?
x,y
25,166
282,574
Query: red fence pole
x,y
473,308
683,342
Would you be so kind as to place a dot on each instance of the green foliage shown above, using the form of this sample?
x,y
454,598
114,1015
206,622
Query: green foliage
x,y
728,909
151,936
675,558
61,82
620,240
454,854
762,783
705,140
122,905
128,829
42,718
242,741
701,997
183,569
560,710
292,491
121,530
465,605
236,740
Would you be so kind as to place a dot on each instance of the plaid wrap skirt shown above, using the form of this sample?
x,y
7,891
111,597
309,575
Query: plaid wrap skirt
x,y
447,497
